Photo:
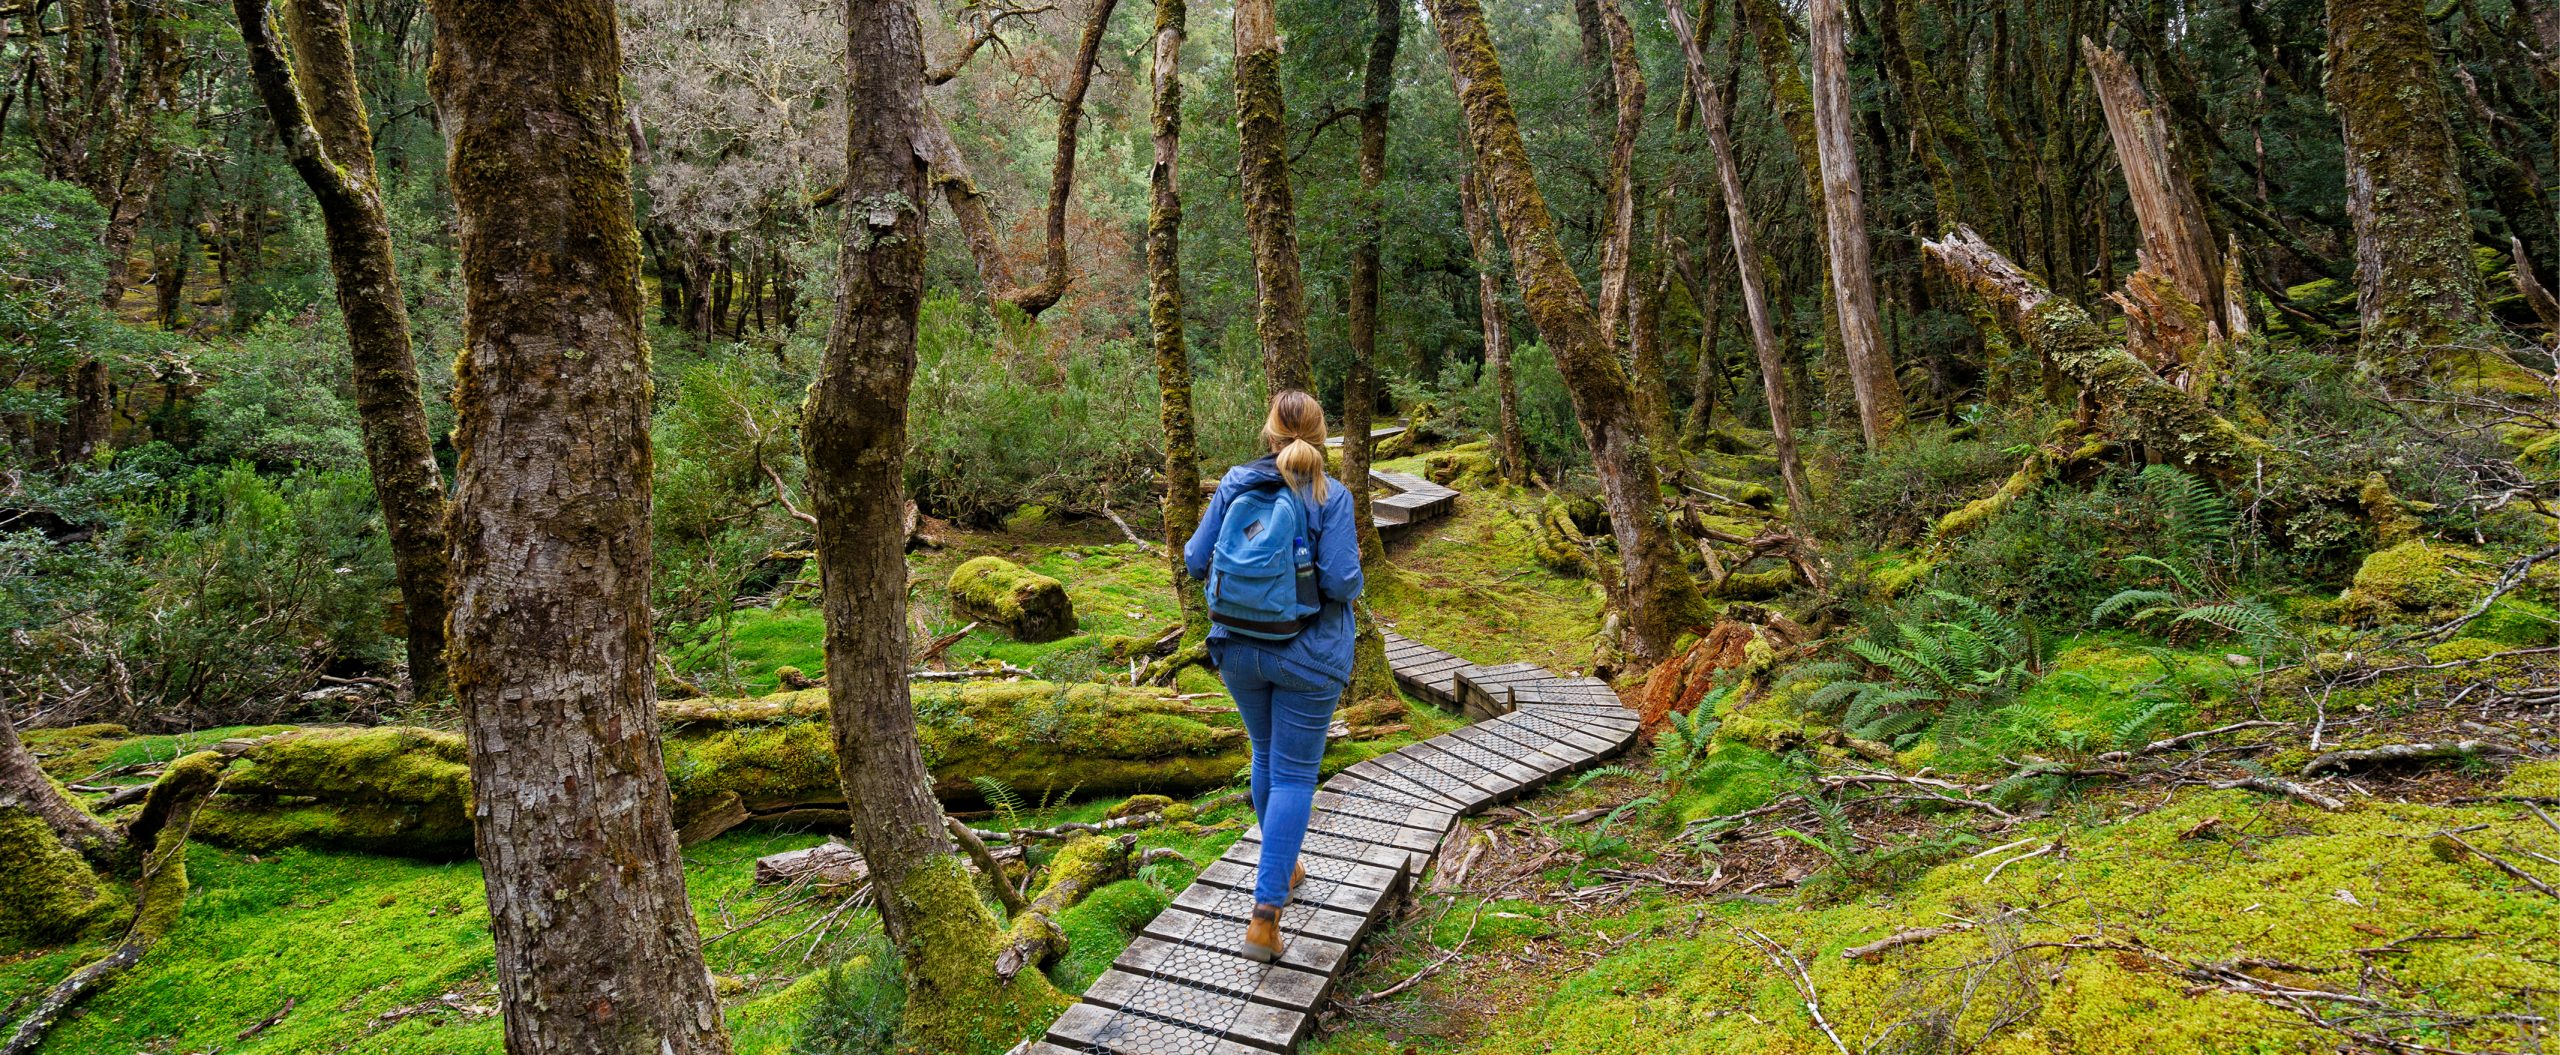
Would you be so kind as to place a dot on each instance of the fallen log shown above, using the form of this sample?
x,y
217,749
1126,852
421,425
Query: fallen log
x,y
2419,752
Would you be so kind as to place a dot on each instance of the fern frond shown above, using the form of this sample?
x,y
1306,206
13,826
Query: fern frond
x,y
2124,599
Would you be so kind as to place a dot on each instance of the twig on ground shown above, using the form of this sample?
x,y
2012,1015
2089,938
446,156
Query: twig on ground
x,y
2273,786
2157,746
1801,979
2418,752
2029,855
2500,863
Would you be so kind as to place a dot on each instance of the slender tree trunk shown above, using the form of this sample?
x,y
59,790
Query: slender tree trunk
x,y
1746,262
1660,597
1508,458
1769,33
1062,173
2415,290
1618,233
1853,280
855,434
596,946
1377,90
317,105
1270,214
1644,334
1164,311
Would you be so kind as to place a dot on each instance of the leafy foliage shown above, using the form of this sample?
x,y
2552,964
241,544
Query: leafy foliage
x,y
1972,656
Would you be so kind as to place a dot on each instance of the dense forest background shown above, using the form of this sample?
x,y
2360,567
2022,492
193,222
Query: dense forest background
x,y
447,446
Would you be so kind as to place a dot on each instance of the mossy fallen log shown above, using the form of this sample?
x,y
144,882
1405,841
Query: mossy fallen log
x,y
998,592
406,792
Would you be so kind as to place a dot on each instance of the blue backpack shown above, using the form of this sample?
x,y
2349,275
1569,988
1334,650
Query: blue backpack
x,y
1262,575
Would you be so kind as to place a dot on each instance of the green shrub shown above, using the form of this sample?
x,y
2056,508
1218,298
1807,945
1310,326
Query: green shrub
x,y
281,398
998,421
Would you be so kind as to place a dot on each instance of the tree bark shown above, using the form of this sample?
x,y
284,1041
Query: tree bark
x,y
1660,597
25,782
2415,290
1164,311
2144,407
1062,173
1359,394
1270,214
1508,458
1853,281
596,946
318,109
1746,261
855,435
2177,240
1769,32
1618,232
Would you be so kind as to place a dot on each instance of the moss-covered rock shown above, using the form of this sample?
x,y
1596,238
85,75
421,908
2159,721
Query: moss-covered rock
x,y
998,592
389,790
1467,467
2512,620
2415,581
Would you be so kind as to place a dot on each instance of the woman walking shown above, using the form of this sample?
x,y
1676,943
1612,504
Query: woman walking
x,y
1279,556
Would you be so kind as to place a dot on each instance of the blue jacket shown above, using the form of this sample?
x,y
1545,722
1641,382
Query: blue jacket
x,y
1322,652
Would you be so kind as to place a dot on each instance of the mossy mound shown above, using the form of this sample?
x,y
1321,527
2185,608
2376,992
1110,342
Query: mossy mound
x,y
391,790
51,894
2415,581
2515,621
1467,467
1029,605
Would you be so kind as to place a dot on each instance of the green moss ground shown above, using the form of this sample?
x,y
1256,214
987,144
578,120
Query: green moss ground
x,y
354,938
1472,585
2282,883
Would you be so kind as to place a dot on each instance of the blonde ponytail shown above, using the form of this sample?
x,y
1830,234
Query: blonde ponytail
x,y
1294,431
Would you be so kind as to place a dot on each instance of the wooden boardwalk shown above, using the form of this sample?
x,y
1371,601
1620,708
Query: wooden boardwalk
x,y
1182,987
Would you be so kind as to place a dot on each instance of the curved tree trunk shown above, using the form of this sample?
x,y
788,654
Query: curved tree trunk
x,y
318,110
596,946
2415,290
855,435
1746,261
1617,246
1270,213
2176,238
1776,50
1062,173
1508,459
1853,280
1164,311
1660,597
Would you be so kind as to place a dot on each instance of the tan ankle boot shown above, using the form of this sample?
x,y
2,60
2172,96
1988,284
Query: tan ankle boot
x,y
1262,936
1296,876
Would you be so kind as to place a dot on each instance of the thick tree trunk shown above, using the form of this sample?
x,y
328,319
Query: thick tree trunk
x,y
1660,597
855,434
1270,214
2177,240
1746,261
1359,395
1508,458
596,946
1062,172
1853,280
318,109
1164,311
2415,290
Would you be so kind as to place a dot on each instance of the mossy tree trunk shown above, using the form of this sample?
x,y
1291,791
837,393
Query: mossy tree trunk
x,y
1660,597
24,782
1359,392
1509,460
1746,260
2416,294
855,434
1853,280
1270,213
1164,311
313,96
2175,426
596,945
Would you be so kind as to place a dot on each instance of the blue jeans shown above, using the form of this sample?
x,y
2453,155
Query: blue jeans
x,y
1286,715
